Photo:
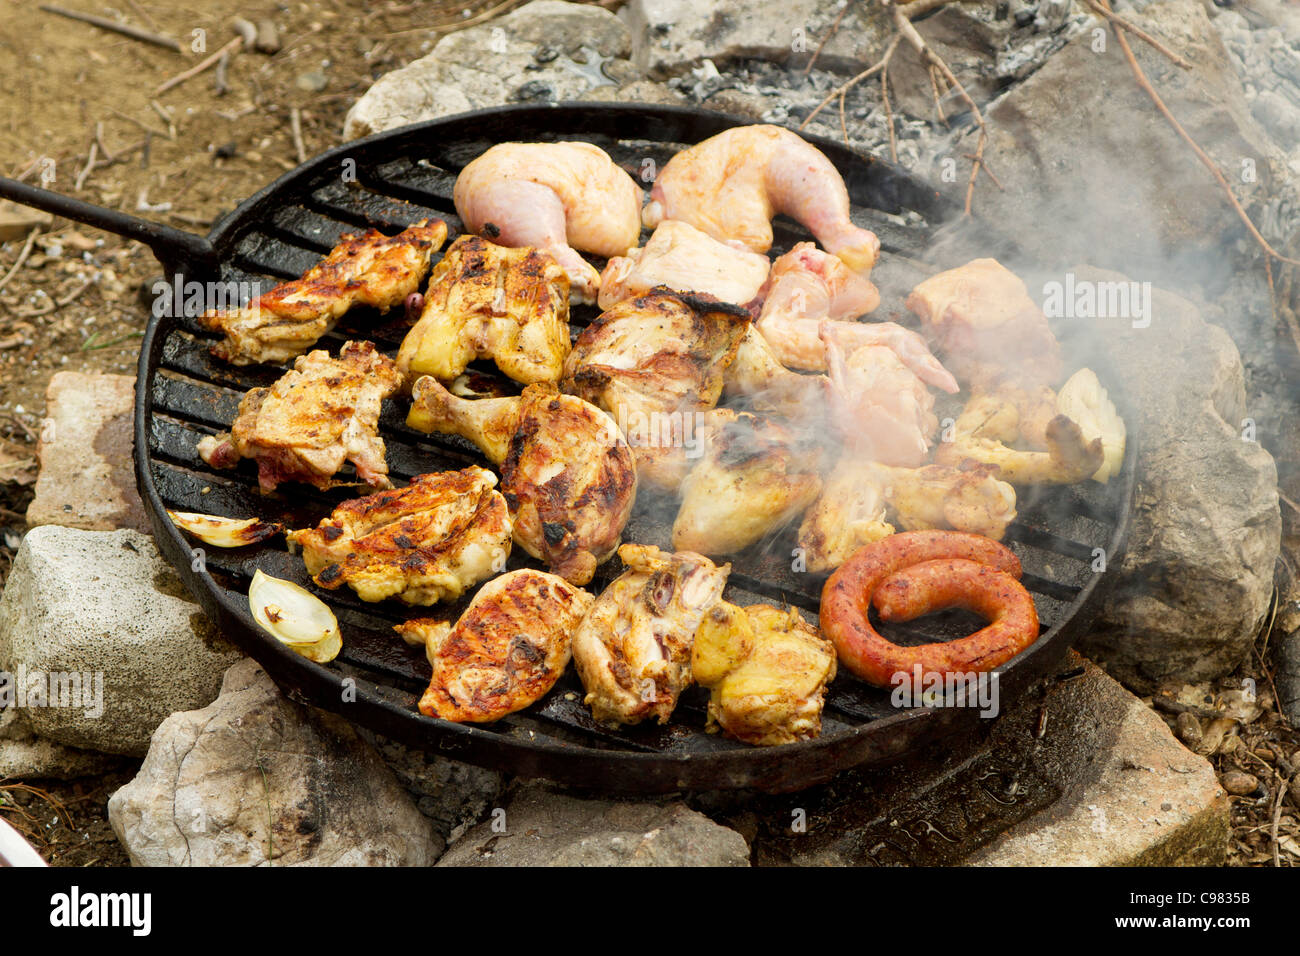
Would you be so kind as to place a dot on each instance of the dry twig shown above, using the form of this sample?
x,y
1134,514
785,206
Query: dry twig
x,y
845,87
1138,32
198,68
22,257
827,39
295,127
126,30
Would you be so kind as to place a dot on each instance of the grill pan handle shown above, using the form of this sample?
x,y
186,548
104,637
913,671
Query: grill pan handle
x,y
173,248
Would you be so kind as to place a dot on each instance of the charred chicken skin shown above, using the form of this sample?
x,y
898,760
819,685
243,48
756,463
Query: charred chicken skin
x,y
505,652
323,412
653,363
731,185
371,269
422,544
560,197
489,302
767,670
684,259
567,475
633,649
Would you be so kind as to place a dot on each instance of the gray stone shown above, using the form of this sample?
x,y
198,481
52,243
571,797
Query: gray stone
x,y
25,756
104,606
453,795
87,479
543,827
670,37
1197,577
548,50
254,779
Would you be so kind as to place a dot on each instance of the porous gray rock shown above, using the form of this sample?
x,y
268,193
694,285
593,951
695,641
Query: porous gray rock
x,y
541,826
1197,576
254,779
670,37
99,615
24,756
546,51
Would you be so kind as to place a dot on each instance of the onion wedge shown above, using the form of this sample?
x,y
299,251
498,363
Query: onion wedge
x,y
295,617
224,532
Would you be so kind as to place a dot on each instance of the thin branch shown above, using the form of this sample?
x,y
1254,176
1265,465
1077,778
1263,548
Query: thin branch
x,y
1138,32
193,71
826,39
845,87
22,257
126,30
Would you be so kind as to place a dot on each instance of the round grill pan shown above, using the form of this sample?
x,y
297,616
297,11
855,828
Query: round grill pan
x,y
392,179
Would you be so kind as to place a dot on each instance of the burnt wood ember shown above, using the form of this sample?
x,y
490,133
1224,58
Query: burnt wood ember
x,y
1064,536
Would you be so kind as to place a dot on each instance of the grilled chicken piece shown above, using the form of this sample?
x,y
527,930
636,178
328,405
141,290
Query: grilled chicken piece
x,y
808,288
682,258
560,197
750,482
371,269
507,650
757,375
767,669
487,301
732,184
1069,456
633,649
653,363
568,476
426,543
314,418
849,513
882,410
988,329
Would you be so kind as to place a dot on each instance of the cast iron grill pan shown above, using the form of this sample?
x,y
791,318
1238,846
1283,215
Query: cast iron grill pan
x,y
393,179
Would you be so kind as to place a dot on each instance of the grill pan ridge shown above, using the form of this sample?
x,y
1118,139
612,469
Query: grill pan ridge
x,y
392,179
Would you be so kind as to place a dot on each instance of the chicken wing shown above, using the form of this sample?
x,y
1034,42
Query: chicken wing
x,y
560,197
371,269
751,481
487,301
653,363
732,184
633,649
881,409
682,258
568,476
320,414
988,329
849,513
807,289
426,543
767,670
505,652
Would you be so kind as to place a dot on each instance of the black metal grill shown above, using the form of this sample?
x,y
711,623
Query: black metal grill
x,y
393,179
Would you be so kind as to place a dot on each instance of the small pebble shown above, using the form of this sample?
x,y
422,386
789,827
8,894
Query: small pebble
x,y
1239,783
1189,729
312,82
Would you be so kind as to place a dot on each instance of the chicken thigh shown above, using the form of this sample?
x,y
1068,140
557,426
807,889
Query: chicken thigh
x,y
567,475
560,197
633,649
732,184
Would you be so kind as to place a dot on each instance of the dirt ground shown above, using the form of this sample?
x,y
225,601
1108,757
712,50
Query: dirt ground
x,y
70,298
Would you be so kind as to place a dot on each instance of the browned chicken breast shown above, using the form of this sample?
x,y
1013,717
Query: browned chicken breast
x,y
633,649
371,269
568,476
653,363
767,669
507,650
986,327
314,418
489,302
684,259
425,543
751,481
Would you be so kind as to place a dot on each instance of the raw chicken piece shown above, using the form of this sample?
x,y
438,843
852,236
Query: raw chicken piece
x,y
370,269
732,184
568,476
560,197
988,329
750,482
757,375
882,410
426,543
314,418
505,652
633,649
767,668
654,363
487,301
682,258
808,287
